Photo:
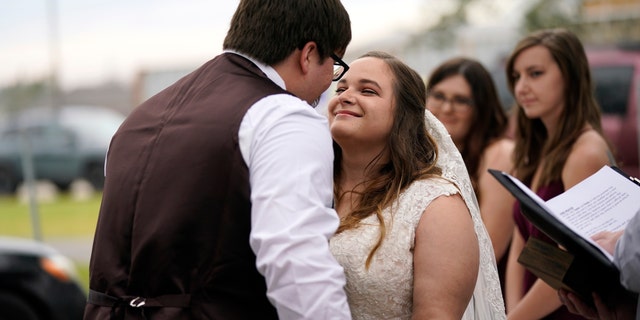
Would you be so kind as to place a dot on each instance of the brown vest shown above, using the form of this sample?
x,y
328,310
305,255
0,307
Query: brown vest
x,y
175,217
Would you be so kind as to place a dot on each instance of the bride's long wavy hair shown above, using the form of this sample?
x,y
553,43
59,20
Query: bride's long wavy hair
x,y
412,151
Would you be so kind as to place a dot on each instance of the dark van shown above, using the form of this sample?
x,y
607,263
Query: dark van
x,y
616,74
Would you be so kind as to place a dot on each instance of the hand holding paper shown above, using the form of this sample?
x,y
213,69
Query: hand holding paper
x,y
605,201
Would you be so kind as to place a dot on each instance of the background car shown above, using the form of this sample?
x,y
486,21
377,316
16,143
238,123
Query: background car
x,y
37,282
64,144
616,73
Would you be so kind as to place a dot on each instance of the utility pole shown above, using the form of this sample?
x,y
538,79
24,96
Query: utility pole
x,y
54,53
54,101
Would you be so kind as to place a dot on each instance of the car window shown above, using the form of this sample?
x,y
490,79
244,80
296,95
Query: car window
x,y
10,140
612,88
40,138
94,127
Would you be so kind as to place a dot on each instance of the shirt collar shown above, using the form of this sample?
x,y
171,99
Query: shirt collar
x,y
269,71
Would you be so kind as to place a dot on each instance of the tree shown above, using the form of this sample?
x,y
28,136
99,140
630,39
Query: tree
x,y
23,95
548,14
444,32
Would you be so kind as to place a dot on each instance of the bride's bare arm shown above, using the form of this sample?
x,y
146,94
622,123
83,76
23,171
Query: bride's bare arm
x,y
446,260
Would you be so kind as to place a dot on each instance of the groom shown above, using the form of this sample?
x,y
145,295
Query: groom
x,y
217,198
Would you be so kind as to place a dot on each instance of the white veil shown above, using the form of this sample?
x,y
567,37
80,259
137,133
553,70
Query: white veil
x,y
487,302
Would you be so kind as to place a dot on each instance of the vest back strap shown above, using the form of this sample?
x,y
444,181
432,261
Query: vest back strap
x,y
169,300
105,300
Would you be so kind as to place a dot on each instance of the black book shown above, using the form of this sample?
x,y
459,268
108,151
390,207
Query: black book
x,y
607,200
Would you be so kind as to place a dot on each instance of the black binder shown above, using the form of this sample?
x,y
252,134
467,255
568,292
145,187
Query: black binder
x,y
582,268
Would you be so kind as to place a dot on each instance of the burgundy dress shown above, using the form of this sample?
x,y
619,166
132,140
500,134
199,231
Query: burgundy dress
x,y
529,230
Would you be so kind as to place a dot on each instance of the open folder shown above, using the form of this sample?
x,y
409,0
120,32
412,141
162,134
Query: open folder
x,y
605,201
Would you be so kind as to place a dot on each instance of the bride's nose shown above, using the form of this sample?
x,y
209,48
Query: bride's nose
x,y
346,97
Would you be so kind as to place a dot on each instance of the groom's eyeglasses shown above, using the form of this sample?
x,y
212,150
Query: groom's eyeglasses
x,y
339,67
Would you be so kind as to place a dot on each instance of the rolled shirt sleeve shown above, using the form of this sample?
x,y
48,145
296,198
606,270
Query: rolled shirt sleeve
x,y
288,149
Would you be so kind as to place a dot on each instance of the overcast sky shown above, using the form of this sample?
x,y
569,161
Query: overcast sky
x,y
101,40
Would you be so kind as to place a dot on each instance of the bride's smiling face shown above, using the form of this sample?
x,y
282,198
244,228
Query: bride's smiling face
x,y
362,110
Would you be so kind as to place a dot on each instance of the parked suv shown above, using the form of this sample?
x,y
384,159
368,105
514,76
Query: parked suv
x,y
66,144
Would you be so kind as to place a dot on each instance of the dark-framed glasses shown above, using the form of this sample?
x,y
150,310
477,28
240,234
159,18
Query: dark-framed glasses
x,y
437,100
339,67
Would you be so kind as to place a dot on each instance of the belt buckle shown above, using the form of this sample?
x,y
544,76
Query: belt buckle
x,y
137,302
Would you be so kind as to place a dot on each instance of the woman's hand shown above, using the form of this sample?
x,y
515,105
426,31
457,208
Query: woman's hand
x,y
623,309
608,239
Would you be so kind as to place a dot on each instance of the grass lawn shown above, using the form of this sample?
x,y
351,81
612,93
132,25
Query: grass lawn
x,y
62,218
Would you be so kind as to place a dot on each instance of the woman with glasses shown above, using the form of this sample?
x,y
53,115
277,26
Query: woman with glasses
x,y
462,95
410,240
559,142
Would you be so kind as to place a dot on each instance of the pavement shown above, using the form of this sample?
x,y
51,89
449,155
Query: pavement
x,y
76,249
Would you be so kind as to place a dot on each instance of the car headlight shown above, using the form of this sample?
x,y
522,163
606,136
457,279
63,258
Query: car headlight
x,y
60,267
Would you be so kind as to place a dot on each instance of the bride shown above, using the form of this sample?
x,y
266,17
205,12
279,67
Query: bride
x,y
411,240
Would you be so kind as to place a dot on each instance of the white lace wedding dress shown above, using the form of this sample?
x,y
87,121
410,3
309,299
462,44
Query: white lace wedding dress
x,y
384,291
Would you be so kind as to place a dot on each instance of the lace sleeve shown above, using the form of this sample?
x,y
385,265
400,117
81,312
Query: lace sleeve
x,y
487,302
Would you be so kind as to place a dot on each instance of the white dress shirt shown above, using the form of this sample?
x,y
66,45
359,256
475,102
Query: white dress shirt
x,y
287,147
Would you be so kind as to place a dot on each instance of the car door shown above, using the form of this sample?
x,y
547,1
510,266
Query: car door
x,y
614,92
53,152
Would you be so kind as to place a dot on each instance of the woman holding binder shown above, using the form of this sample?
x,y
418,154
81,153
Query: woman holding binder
x,y
559,142
624,245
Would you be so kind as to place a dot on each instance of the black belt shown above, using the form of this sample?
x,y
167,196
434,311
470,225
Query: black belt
x,y
169,300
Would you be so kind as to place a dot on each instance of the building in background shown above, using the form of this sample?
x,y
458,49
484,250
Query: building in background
x,y
148,82
610,22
